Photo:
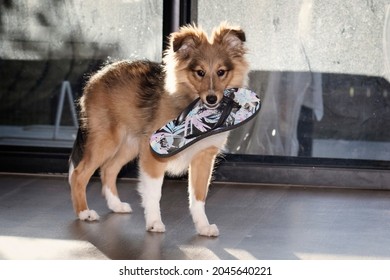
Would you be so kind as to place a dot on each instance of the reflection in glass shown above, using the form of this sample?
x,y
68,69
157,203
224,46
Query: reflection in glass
x,y
47,44
319,68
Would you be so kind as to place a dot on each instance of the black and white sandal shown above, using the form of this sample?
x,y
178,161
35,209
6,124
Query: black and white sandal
x,y
197,121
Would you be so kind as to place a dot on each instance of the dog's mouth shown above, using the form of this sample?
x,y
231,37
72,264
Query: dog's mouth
x,y
211,107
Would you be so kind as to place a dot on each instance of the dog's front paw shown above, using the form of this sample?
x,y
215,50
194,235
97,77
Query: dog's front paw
x,y
156,226
88,215
122,207
209,230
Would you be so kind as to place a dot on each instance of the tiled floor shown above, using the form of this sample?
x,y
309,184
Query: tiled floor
x,y
256,222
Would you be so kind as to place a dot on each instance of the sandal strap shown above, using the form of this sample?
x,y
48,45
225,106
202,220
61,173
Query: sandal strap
x,y
227,104
228,93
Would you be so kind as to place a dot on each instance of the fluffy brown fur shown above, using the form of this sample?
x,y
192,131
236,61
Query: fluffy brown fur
x,y
125,102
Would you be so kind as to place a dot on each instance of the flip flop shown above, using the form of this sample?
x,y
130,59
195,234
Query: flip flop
x,y
197,121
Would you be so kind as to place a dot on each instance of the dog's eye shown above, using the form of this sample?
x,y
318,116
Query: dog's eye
x,y
200,73
221,72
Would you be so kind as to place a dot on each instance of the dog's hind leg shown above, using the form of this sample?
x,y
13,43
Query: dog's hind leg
x,y
98,149
78,183
109,172
200,171
151,176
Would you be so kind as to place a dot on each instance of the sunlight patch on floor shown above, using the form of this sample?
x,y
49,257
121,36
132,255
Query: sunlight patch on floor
x,y
195,252
23,248
319,256
240,254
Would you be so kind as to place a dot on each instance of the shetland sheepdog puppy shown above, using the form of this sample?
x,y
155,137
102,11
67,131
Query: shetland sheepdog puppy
x,y
125,102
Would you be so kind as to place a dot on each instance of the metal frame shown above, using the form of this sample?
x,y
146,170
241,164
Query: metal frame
x,y
66,89
247,169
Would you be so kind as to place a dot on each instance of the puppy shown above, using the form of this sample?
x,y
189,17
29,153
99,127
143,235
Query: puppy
x,y
125,102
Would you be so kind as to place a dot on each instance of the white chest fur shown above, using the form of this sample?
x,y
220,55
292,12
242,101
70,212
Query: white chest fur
x,y
179,166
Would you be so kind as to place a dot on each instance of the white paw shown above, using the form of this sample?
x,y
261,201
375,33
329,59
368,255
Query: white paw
x,y
122,207
209,230
88,215
156,226
114,202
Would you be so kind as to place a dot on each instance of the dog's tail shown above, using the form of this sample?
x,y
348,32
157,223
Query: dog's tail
x,y
77,152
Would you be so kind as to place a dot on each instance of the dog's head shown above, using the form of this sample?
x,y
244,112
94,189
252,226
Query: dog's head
x,y
205,67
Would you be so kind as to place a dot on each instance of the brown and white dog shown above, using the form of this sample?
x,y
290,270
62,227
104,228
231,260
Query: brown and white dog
x,y
125,102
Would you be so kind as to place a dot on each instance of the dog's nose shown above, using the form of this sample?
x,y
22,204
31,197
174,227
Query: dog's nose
x,y
211,99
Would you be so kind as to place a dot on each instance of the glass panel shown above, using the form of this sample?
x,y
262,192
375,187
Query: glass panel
x,y
322,69
48,48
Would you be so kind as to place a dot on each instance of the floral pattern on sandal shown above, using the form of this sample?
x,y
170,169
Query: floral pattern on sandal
x,y
197,121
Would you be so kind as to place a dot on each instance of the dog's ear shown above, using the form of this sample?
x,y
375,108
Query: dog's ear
x,y
183,43
186,40
232,38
